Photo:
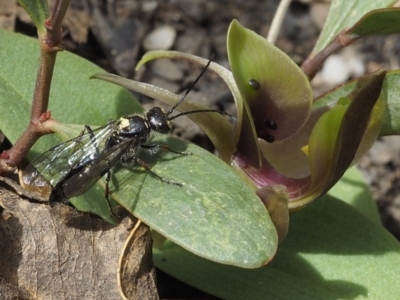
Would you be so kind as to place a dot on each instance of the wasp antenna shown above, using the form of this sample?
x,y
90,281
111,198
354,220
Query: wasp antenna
x,y
190,87
202,111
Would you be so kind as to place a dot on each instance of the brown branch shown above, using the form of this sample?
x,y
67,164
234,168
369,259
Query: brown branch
x,y
50,44
313,63
53,24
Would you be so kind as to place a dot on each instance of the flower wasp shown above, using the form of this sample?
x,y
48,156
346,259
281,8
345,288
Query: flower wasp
x,y
73,167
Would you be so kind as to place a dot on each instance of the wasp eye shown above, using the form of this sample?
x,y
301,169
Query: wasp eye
x,y
254,84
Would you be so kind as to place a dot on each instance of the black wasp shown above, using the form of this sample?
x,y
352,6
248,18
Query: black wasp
x,y
71,168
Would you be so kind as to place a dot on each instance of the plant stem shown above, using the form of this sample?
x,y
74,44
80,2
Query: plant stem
x,y
313,63
277,21
50,44
53,24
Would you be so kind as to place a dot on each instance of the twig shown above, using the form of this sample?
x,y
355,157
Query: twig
x,y
53,24
313,63
277,21
50,44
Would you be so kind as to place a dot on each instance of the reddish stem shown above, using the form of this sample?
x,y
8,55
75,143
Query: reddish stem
x,y
313,63
50,44
53,24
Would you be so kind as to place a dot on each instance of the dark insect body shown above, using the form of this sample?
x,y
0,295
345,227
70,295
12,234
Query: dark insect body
x,y
73,167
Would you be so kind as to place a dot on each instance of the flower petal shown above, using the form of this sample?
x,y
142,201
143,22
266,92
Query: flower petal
x,y
277,91
275,199
268,176
338,135
287,156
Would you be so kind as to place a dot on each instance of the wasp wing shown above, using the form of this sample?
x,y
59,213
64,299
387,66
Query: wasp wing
x,y
56,163
83,178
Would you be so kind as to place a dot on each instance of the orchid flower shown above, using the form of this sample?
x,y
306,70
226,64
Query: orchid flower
x,y
305,147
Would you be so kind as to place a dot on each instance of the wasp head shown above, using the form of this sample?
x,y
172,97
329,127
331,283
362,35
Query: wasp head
x,y
158,120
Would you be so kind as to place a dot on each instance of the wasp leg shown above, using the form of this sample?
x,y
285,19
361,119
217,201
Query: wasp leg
x,y
89,130
92,137
107,193
128,163
157,147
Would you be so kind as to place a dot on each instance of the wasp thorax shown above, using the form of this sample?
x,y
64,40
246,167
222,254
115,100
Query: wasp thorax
x,y
134,126
158,120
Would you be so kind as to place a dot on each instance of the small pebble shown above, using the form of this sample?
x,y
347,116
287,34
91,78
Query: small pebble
x,y
340,67
381,154
149,6
161,38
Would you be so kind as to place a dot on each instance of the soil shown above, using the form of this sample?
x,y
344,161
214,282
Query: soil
x,y
115,34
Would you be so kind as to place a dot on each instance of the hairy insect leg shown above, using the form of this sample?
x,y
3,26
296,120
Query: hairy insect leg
x,y
157,147
147,168
89,131
92,137
107,192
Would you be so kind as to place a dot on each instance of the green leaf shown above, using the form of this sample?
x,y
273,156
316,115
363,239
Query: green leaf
x,y
331,252
377,22
73,97
391,89
353,190
37,10
214,214
391,117
344,14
